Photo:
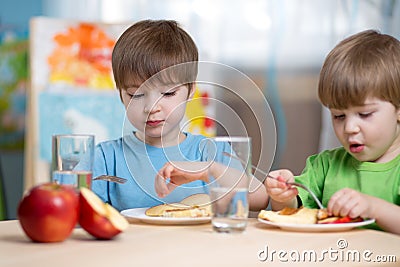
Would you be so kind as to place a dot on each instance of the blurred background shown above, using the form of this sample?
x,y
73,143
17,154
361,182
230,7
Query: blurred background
x,y
279,44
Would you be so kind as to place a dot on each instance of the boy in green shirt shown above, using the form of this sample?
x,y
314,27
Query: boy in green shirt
x,y
360,85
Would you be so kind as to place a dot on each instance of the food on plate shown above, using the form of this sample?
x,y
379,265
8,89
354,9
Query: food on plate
x,y
324,218
290,215
197,205
99,219
49,212
303,216
345,219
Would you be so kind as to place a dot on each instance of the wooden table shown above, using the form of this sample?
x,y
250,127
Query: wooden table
x,y
197,245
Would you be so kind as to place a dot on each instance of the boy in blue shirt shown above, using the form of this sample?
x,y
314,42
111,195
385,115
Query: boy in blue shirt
x,y
155,68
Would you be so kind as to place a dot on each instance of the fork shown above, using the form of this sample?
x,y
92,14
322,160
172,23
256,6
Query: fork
x,y
111,178
267,175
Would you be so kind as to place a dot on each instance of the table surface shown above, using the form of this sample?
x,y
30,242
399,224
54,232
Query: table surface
x,y
197,245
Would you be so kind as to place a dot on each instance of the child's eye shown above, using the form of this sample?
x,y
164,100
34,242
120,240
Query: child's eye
x,y
167,94
338,117
365,114
136,96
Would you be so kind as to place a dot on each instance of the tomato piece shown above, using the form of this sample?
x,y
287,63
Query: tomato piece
x,y
345,219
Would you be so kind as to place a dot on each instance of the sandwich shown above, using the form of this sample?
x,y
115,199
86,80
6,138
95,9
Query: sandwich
x,y
194,206
304,216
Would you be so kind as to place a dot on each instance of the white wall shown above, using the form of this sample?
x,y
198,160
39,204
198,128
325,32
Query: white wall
x,y
281,44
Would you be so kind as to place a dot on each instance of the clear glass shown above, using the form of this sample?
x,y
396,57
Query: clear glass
x,y
72,159
230,158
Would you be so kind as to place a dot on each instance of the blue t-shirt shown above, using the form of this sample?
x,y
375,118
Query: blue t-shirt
x,y
130,158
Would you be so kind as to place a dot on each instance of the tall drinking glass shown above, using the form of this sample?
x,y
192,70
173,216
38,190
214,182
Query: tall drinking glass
x,y
72,159
230,161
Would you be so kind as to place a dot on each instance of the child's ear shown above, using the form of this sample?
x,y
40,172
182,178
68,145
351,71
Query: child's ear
x,y
398,114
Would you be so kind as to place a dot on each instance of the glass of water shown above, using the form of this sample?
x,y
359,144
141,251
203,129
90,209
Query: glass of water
x,y
72,159
230,162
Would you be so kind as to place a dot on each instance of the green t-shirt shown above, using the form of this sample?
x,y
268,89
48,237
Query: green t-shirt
x,y
332,170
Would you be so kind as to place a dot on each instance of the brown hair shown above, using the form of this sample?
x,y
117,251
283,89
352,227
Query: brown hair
x,y
149,46
363,65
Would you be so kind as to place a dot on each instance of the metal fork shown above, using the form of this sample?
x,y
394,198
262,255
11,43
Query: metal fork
x,y
111,178
275,178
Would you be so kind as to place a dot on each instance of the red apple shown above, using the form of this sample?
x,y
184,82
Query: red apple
x,y
99,219
49,212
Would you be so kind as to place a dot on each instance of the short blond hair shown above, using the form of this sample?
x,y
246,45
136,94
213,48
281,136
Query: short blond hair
x,y
363,65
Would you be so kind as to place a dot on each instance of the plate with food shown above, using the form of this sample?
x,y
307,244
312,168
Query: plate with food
x,y
310,220
194,209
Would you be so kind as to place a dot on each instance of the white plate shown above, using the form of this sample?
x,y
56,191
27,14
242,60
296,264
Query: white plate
x,y
140,215
334,227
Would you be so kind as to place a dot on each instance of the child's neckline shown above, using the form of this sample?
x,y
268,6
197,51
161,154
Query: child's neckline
x,y
377,166
183,137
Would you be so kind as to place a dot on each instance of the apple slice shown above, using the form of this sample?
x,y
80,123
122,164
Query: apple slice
x,y
99,219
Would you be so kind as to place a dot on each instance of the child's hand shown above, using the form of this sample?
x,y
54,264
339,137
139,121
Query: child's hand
x,y
349,202
173,174
279,190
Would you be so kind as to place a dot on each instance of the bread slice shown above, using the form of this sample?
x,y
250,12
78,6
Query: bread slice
x,y
304,216
295,216
197,205
197,200
161,209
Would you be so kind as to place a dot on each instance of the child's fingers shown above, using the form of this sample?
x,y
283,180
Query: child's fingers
x,y
160,182
280,182
282,194
166,171
288,194
160,186
171,186
340,203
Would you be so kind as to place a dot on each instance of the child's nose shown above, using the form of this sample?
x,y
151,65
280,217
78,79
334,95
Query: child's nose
x,y
351,126
152,106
